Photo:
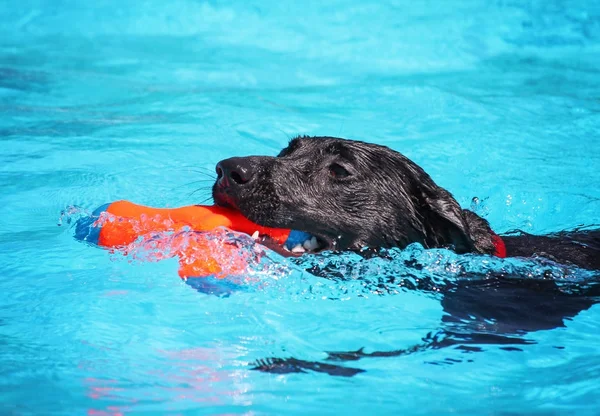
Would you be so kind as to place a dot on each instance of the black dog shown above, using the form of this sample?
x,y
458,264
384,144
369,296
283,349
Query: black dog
x,y
350,195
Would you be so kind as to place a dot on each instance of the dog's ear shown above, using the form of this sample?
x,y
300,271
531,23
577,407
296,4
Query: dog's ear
x,y
444,220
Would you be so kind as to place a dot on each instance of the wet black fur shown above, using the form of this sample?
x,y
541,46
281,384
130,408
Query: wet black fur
x,y
353,194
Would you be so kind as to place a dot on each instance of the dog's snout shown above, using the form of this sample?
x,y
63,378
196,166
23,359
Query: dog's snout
x,y
236,170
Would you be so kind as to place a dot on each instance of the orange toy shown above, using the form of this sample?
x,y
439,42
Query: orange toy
x,y
119,224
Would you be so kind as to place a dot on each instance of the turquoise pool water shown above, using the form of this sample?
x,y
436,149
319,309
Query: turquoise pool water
x,y
498,100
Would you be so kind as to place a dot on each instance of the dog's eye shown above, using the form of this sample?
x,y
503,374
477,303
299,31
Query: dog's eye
x,y
338,171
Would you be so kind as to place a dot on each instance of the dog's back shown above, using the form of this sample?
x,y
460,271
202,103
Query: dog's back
x,y
579,247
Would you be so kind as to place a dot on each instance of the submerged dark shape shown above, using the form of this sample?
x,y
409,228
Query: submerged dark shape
x,y
351,195
480,312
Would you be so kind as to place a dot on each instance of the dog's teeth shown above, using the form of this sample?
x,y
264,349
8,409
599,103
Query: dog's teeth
x,y
311,245
255,235
298,249
315,243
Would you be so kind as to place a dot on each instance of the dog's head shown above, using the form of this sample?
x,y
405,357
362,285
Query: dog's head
x,y
349,195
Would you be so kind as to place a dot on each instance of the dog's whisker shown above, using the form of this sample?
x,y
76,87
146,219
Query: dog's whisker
x,y
204,201
206,175
190,183
201,171
199,190
197,181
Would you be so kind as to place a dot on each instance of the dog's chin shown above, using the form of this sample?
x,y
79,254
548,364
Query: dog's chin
x,y
312,243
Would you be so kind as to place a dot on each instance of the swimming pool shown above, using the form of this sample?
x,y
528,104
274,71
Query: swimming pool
x,y
495,100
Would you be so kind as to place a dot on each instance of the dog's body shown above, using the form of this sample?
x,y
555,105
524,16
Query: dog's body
x,y
351,195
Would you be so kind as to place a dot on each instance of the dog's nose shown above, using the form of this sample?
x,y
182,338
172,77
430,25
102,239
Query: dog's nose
x,y
236,170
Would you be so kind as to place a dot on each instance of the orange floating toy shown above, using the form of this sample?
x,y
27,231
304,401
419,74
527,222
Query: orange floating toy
x,y
118,224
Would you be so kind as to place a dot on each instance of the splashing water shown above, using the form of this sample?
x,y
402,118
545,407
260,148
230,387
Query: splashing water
x,y
71,214
331,275
346,275
220,254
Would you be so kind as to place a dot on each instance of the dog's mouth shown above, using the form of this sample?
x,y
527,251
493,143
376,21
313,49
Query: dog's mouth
x,y
299,241
297,244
